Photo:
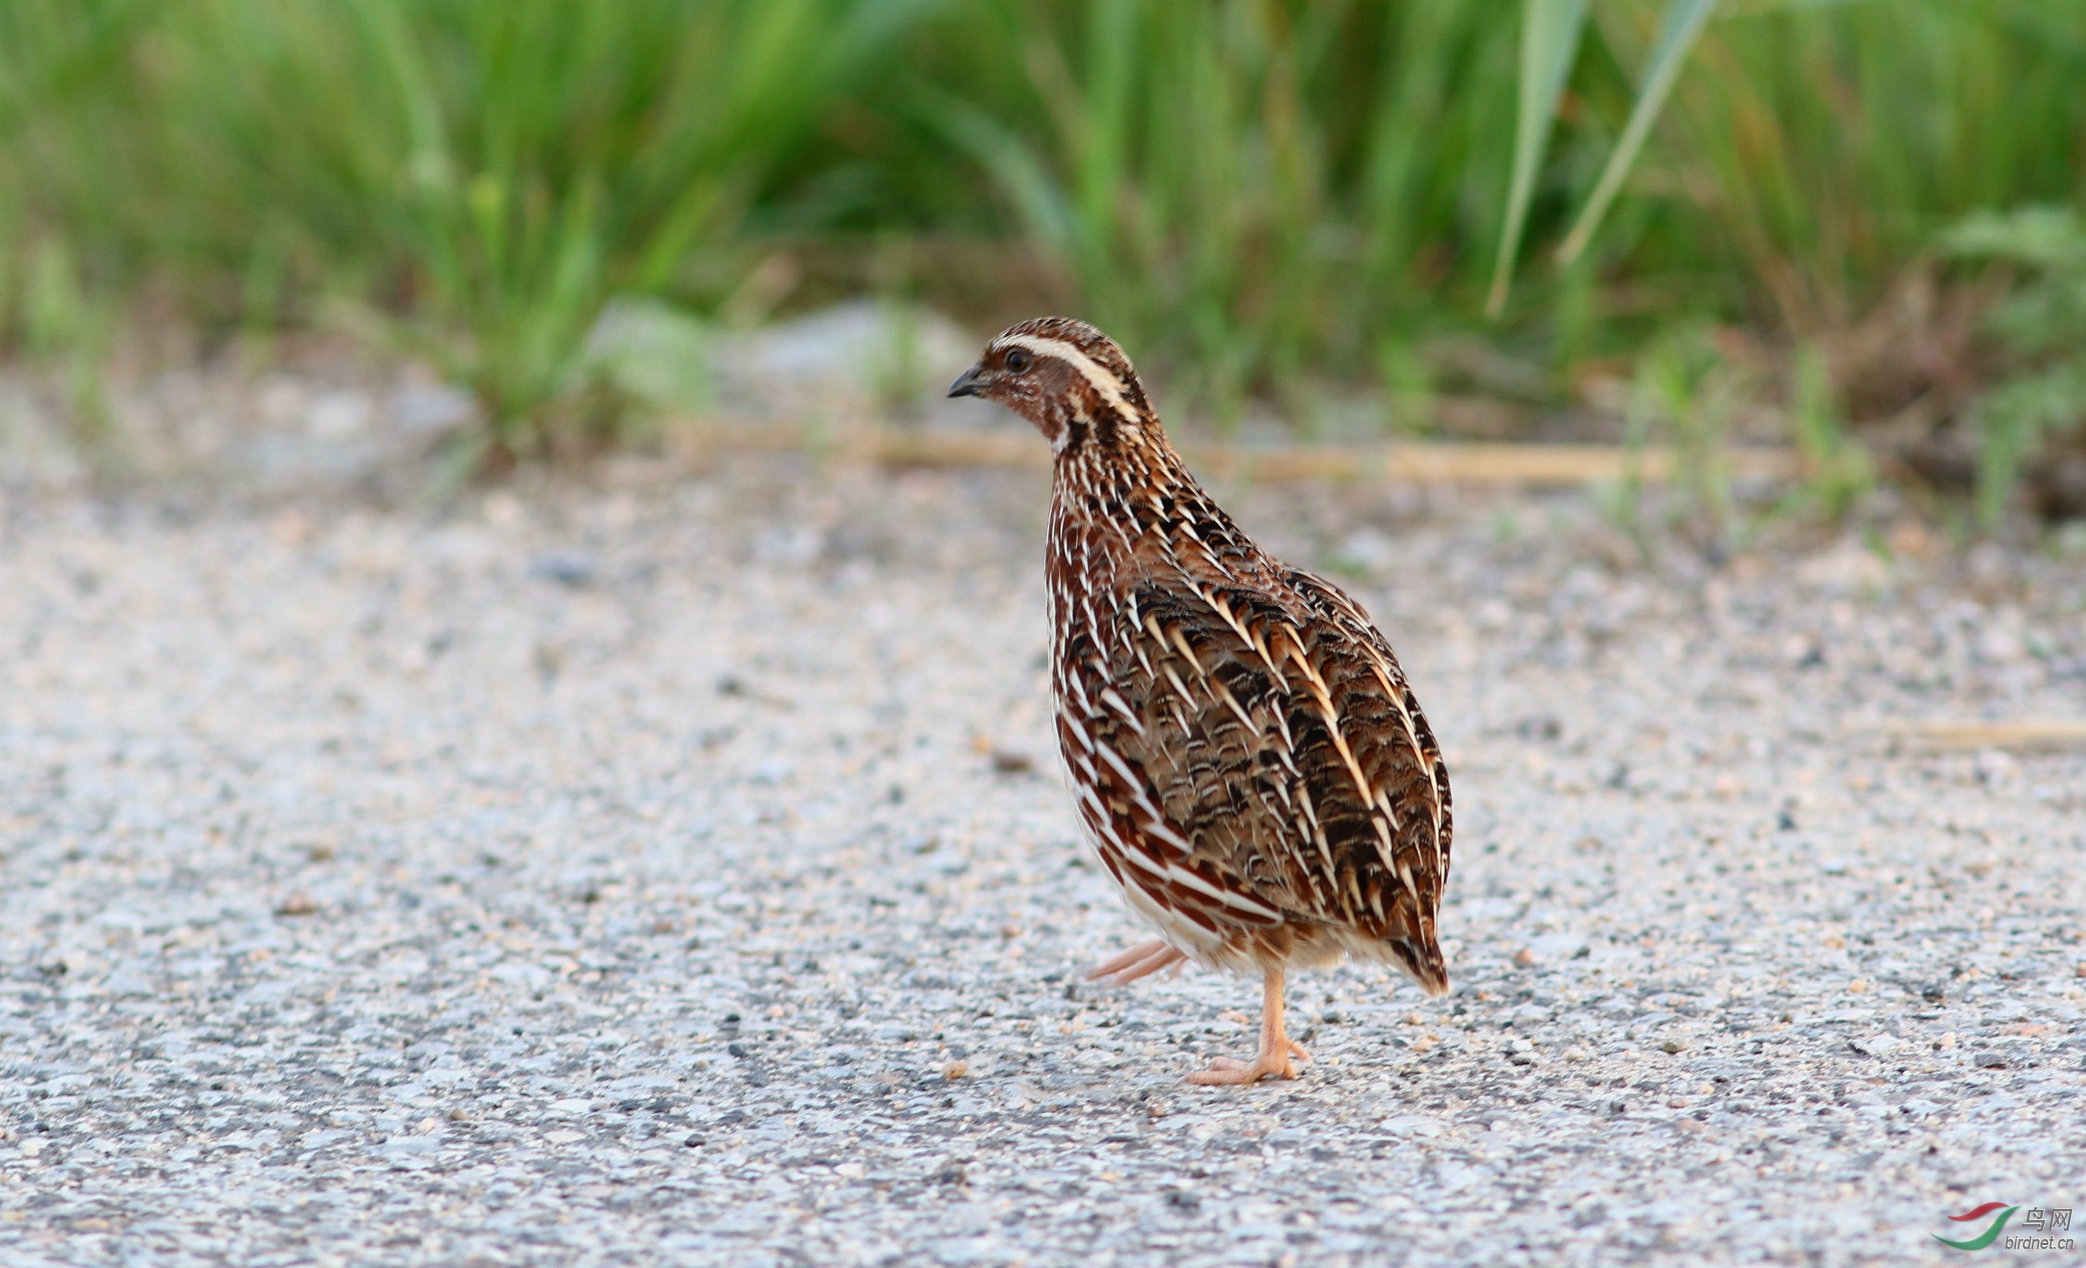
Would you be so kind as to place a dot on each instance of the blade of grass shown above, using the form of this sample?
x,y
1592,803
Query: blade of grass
x,y
1550,32
1683,22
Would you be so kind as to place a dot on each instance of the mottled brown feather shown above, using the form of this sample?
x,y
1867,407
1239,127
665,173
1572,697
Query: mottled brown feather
x,y
1249,760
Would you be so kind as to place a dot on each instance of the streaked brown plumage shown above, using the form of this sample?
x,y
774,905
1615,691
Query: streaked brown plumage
x,y
1248,760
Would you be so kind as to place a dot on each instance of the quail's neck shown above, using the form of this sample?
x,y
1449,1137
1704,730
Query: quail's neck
x,y
1137,511
1130,479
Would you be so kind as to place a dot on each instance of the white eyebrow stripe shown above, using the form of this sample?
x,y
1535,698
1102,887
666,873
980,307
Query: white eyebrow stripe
x,y
1109,386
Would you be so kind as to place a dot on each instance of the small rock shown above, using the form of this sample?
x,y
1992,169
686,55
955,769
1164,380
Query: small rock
x,y
1539,727
570,571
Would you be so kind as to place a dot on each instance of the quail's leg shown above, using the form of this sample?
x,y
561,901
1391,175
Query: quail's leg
x,y
1276,1047
1144,958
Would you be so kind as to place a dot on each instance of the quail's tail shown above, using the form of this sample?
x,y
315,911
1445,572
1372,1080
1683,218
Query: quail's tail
x,y
1421,958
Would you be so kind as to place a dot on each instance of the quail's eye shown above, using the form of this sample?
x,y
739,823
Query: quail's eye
x,y
1017,361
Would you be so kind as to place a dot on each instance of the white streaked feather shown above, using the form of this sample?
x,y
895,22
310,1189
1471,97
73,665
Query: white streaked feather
x,y
1115,701
1159,828
1238,902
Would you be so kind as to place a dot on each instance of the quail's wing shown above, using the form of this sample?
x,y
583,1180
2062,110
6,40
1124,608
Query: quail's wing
x,y
1258,762
1152,766
1273,759
1390,735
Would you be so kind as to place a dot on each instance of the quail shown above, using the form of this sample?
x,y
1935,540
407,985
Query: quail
x,y
1246,756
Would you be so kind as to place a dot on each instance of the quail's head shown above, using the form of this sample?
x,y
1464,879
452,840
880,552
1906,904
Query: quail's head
x,y
1062,375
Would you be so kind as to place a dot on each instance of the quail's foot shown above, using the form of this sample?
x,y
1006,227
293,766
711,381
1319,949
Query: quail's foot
x,y
1143,959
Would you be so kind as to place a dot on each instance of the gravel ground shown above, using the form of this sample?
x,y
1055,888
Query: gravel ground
x,y
673,868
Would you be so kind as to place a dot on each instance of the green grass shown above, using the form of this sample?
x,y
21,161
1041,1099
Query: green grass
x,y
472,181
2042,328
1259,197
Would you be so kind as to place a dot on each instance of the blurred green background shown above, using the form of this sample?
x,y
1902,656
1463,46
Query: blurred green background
x,y
1852,226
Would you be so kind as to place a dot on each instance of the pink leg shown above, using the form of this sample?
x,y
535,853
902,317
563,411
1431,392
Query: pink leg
x,y
1140,960
1276,1047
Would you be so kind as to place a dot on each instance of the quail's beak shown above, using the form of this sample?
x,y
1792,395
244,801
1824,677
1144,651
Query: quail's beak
x,y
966,384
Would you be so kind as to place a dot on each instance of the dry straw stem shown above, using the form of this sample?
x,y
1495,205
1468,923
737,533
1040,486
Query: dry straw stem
x,y
2004,733
1419,462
